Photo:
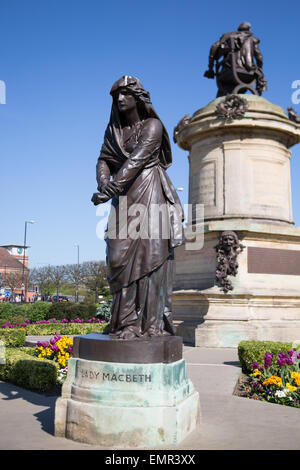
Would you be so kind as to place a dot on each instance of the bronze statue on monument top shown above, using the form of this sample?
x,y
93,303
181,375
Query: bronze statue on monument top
x,y
236,61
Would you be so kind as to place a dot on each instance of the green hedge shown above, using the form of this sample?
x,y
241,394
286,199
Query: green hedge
x,y
13,337
18,313
38,311
22,369
70,311
6,311
254,351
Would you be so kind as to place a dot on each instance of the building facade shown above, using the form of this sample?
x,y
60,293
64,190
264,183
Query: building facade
x,y
14,273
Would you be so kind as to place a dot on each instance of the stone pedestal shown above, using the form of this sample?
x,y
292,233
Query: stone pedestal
x,y
240,172
126,404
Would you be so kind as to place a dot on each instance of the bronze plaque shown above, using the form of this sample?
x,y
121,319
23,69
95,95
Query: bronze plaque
x,y
273,261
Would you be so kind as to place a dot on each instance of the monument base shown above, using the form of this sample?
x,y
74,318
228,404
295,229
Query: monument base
x,y
116,404
222,321
265,301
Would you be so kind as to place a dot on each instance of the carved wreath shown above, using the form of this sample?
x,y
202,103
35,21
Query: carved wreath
x,y
182,123
227,250
293,116
232,107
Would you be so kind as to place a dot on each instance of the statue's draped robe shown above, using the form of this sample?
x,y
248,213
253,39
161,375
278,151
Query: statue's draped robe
x,y
140,267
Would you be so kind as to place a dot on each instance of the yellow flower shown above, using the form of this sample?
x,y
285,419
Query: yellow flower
x,y
256,373
296,377
273,380
291,388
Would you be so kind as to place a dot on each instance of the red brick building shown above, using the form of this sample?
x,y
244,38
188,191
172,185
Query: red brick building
x,y
13,271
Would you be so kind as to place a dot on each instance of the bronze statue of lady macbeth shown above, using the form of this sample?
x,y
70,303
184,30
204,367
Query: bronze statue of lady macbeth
x,y
132,163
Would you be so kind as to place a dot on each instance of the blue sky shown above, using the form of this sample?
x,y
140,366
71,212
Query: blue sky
x,y
59,60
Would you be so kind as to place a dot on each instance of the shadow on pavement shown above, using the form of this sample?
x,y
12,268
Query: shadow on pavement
x,y
232,363
45,417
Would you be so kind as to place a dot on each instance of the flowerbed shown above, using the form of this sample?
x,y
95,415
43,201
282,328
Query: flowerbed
x,y
276,380
49,322
45,366
59,349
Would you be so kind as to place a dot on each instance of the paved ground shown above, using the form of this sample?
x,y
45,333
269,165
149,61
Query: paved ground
x,y
227,422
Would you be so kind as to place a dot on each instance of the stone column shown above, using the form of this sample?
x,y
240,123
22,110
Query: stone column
x,y
240,172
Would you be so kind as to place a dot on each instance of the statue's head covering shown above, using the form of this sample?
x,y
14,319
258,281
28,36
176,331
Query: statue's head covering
x,y
133,85
245,26
113,136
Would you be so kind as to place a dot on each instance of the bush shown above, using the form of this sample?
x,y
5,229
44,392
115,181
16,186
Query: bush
x,y
13,338
70,311
6,311
23,369
254,351
104,311
15,313
38,311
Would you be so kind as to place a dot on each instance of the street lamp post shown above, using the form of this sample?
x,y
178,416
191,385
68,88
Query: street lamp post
x,y
76,294
24,284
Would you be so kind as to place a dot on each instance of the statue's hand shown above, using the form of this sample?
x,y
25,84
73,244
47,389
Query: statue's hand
x,y
209,74
110,189
102,184
99,198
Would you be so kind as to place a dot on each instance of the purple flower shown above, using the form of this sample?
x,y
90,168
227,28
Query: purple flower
x,y
291,352
268,360
70,349
284,359
281,362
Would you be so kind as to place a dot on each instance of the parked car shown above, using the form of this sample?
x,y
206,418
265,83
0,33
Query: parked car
x,y
61,298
